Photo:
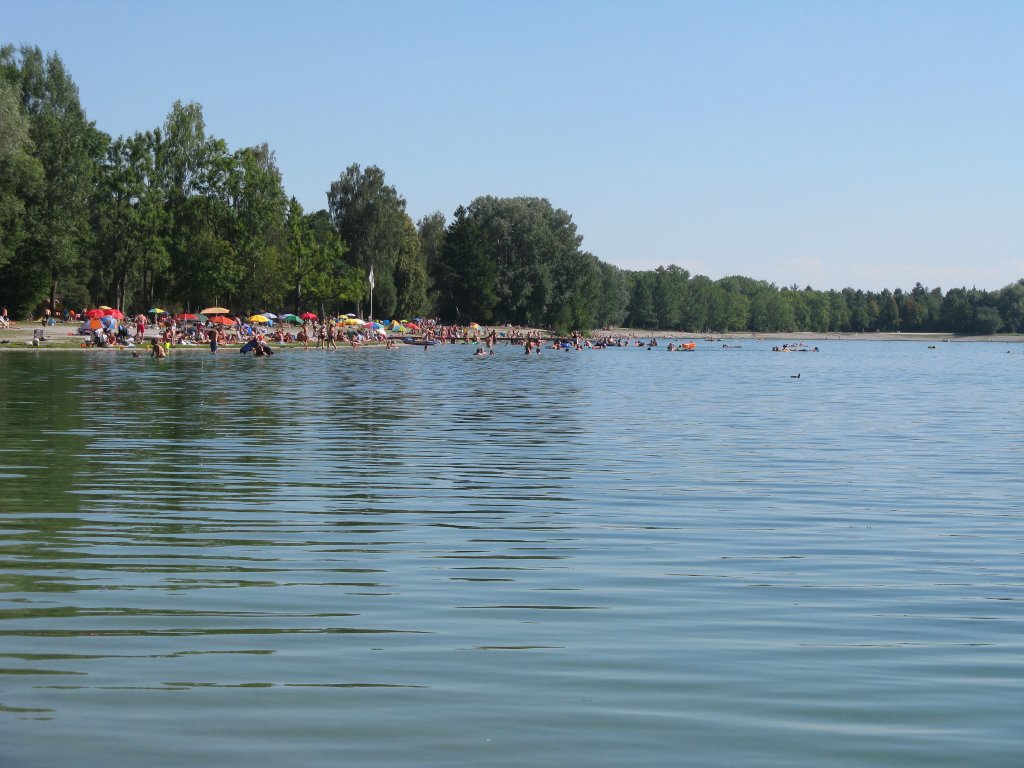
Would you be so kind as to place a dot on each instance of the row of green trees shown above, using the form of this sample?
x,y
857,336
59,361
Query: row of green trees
x,y
670,298
174,217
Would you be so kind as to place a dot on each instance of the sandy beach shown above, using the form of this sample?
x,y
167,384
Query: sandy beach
x,y
64,336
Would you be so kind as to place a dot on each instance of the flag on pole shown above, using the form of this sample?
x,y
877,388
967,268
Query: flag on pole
x,y
371,276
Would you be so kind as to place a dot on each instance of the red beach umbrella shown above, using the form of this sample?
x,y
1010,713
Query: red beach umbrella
x,y
308,316
117,314
222,320
94,313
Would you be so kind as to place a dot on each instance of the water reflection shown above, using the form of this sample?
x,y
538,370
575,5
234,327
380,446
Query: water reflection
x,y
620,556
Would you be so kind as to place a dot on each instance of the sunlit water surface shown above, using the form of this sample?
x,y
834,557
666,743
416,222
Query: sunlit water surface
x,y
600,558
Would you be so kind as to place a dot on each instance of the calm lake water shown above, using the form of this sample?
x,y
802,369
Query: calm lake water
x,y
601,558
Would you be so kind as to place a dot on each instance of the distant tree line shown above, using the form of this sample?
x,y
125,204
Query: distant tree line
x,y
174,217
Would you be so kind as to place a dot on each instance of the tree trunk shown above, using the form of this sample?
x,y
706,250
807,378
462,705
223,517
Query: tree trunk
x,y
53,295
122,289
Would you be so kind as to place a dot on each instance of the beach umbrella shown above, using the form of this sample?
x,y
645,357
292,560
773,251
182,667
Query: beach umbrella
x,y
350,314
94,313
188,316
222,320
271,315
308,316
290,317
413,326
216,311
104,306
156,311
117,314
259,319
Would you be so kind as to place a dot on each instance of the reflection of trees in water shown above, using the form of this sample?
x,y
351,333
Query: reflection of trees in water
x,y
196,442
43,440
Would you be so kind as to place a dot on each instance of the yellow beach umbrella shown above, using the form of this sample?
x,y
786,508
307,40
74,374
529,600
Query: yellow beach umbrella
x,y
259,319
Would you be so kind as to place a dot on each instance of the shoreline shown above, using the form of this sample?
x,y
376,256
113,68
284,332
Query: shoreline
x,y
58,337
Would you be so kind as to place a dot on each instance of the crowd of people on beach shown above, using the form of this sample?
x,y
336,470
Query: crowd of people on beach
x,y
105,327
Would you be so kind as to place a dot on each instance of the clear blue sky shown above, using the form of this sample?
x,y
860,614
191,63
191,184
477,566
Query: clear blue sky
x,y
869,144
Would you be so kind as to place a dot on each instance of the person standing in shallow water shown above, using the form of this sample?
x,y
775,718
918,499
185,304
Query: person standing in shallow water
x,y
213,341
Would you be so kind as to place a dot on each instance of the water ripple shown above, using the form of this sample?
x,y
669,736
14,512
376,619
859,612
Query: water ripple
x,y
612,557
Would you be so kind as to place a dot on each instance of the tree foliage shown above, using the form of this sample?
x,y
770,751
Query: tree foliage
x,y
174,216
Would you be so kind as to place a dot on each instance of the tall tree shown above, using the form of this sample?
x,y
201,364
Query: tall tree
x,y
531,243
610,304
196,173
21,173
431,230
1011,306
641,311
576,284
467,272
331,280
370,217
67,147
410,274
130,220
259,205
670,294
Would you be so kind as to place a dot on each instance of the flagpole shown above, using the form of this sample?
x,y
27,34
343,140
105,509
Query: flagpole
x,y
371,292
